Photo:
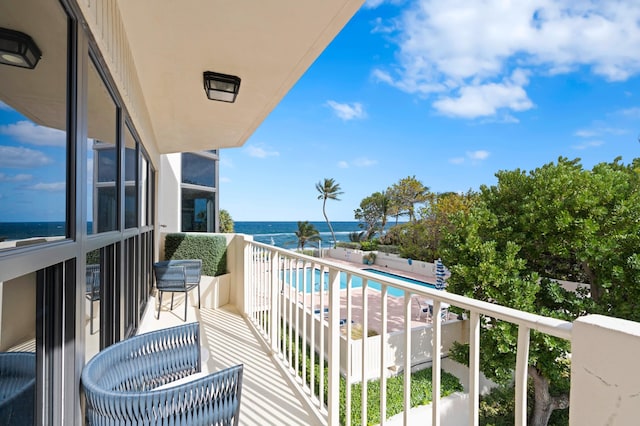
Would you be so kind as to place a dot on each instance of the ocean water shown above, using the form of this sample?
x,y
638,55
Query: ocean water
x,y
282,234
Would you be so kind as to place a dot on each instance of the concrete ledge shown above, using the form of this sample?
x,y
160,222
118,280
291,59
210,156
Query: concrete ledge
x,y
605,386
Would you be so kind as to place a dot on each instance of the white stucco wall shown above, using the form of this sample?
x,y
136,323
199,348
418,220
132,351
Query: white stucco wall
x,y
169,193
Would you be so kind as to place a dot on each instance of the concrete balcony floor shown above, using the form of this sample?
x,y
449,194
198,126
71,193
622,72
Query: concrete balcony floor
x,y
268,397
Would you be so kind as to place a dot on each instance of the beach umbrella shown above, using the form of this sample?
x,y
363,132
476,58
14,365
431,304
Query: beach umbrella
x,y
440,283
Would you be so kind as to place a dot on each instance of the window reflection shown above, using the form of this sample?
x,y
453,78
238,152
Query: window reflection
x,y
198,210
33,133
198,170
102,164
131,179
92,300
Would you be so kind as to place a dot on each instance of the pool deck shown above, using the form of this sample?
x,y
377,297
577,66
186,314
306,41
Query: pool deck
x,y
395,305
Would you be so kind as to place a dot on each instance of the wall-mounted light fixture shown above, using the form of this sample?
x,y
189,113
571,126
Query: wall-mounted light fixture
x,y
18,49
221,87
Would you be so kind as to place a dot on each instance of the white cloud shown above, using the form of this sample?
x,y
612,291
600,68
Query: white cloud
x,y
364,162
630,112
358,162
383,26
226,162
225,179
260,151
48,187
347,111
599,130
17,157
466,50
589,144
478,155
28,132
372,4
473,156
486,100
21,177
585,133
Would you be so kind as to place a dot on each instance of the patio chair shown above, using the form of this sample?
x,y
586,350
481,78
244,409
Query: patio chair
x,y
17,387
177,276
93,289
122,383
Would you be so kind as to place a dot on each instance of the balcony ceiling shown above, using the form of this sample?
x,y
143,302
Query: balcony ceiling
x,y
268,44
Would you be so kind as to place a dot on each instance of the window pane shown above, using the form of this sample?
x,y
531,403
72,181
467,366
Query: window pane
x,y
33,133
102,167
144,196
198,209
131,181
198,170
92,300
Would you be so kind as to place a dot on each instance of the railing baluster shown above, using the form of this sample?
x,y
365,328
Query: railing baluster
x,y
383,355
312,344
296,306
474,368
304,323
333,401
436,320
365,332
290,305
349,354
407,356
274,316
321,354
522,361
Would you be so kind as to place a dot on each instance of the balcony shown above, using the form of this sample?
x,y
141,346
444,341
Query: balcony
x,y
268,283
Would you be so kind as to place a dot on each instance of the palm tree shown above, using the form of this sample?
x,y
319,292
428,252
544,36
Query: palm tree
x,y
306,232
329,190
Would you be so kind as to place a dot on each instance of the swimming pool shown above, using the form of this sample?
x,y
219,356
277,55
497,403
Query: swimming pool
x,y
356,281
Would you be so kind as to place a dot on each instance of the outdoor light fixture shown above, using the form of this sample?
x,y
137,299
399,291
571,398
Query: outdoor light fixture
x,y
221,87
18,49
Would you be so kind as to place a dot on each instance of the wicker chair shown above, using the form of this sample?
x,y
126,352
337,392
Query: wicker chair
x,y
178,276
17,387
93,288
119,383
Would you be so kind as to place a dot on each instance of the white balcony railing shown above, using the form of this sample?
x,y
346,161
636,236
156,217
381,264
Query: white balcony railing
x,y
291,298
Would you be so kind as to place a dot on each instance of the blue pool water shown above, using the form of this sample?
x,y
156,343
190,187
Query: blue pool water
x,y
313,284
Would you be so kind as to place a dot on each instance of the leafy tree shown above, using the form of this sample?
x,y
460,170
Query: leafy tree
x,y
556,222
356,236
373,213
226,222
329,190
405,194
421,238
306,232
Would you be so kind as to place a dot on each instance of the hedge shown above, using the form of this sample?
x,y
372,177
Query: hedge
x,y
212,249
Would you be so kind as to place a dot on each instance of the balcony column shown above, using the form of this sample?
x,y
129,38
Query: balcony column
x,y
605,388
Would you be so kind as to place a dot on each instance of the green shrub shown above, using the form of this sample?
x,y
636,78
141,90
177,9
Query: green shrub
x,y
389,249
420,387
349,245
369,245
212,249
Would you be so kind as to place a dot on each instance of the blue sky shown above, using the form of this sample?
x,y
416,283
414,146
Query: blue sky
x,y
450,92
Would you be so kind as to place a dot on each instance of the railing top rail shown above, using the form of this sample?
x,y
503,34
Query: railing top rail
x,y
551,326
